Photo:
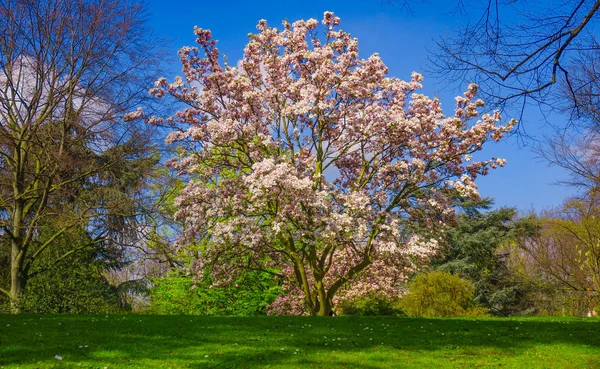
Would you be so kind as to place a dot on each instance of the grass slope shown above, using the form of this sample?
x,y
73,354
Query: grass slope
x,y
142,341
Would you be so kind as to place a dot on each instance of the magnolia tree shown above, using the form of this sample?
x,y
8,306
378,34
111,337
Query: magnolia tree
x,y
308,162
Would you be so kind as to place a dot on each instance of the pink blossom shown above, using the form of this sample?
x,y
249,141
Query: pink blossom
x,y
133,115
307,161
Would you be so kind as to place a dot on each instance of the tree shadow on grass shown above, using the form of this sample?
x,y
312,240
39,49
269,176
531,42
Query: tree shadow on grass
x,y
228,342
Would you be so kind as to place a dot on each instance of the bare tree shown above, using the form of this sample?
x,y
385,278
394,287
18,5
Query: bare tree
x,y
566,250
579,156
70,70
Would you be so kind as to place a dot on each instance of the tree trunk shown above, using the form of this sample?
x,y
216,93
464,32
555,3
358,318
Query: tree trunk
x,y
18,279
324,305
325,308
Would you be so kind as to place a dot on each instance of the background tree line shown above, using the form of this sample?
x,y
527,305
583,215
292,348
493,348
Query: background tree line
x,y
86,210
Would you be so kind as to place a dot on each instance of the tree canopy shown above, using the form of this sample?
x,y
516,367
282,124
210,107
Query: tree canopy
x,y
69,161
308,162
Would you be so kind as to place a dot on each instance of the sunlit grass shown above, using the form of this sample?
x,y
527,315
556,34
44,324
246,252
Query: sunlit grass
x,y
135,341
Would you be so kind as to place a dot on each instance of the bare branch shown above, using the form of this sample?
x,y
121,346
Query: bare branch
x,y
519,58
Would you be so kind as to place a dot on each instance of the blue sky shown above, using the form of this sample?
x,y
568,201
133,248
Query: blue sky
x,y
402,38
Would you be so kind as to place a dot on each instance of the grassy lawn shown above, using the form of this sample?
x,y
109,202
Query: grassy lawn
x,y
143,341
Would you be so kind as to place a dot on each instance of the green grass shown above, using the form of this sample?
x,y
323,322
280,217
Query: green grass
x,y
142,341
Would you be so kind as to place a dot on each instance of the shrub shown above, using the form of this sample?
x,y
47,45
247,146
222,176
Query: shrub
x,y
370,305
174,296
440,294
180,295
76,288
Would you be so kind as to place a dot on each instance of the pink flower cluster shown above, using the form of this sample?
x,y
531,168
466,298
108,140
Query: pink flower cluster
x,y
308,160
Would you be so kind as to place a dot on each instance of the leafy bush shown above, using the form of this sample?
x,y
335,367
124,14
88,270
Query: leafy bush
x,y
4,274
79,288
173,296
4,304
371,305
180,295
67,278
440,294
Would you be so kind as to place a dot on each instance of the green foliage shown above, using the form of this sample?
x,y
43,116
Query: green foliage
x,y
4,273
180,295
77,289
74,286
370,305
475,253
473,244
440,294
173,296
